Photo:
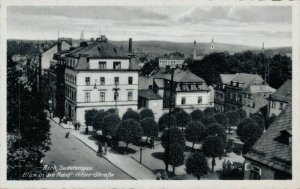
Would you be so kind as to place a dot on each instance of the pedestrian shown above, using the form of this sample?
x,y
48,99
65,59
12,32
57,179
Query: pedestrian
x,y
152,143
105,148
100,150
87,130
224,164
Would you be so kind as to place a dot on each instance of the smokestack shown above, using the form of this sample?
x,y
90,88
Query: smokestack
x,y
195,53
130,46
59,45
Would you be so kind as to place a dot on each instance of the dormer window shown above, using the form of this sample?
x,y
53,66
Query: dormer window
x,y
102,65
285,137
117,65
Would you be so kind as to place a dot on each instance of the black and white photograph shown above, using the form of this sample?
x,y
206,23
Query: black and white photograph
x,y
189,92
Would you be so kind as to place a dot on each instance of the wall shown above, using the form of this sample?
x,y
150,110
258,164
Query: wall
x,y
168,62
276,109
94,63
266,172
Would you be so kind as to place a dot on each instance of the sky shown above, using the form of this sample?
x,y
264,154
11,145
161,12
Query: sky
x,y
245,25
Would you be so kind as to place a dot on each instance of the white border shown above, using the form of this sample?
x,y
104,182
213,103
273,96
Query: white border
x,y
295,183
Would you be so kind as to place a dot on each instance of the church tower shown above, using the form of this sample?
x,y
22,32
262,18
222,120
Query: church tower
x,y
195,52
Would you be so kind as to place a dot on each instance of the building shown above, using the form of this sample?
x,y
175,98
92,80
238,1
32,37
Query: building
x,y
189,92
100,76
46,56
174,60
271,155
241,90
280,99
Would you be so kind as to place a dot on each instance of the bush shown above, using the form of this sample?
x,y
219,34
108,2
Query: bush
x,y
182,119
209,112
197,165
129,131
163,121
109,124
195,131
176,136
150,127
132,115
146,113
196,115
216,129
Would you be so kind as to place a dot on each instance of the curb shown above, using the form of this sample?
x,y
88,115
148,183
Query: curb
x,y
96,151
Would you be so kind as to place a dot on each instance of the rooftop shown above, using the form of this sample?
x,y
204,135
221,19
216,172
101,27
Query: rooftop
x,y
270,151
150,95
284,93
243,78
180,76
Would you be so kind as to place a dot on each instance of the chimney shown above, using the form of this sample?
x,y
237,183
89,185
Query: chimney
x,y
59,45
130,45
195,53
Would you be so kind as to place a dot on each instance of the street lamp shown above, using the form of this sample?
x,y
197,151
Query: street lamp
x,y
116,95
169,124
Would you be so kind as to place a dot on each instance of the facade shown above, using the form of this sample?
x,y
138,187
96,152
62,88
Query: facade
x,y
271,156
171,60
189,92
281,98
241,90
100,76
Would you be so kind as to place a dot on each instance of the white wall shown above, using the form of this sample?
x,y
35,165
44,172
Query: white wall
x,y
191,98
94,63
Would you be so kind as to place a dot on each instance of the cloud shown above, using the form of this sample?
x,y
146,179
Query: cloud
x,y
237,15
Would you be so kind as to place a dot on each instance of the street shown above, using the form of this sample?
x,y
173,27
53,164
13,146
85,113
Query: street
x,y
73,160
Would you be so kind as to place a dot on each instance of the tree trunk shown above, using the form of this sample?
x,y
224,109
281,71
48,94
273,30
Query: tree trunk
x,y
174,170
126,146
193,145
212,164
229,128
198,178
147,139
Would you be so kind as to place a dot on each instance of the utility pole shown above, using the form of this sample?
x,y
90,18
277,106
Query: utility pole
x,y
169,124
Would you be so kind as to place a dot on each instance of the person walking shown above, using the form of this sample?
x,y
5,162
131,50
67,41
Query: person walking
x,y
100,150
87,130
105,148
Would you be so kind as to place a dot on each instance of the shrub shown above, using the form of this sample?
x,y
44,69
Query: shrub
x,y
146,113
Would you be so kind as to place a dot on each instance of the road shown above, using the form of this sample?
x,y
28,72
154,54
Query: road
x,y
73,160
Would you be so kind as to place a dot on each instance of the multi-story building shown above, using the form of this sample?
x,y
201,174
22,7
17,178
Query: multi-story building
x,y
280,99
271,156
241,90
189,92
174,60
100,76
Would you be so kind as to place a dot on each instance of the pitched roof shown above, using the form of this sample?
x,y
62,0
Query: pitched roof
x,y
101,49
284,93
144,82
261,89
226,78
150,95
246,79
180,76
271,152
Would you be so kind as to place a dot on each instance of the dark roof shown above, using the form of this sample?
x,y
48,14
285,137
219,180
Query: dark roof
x,y
244,78
284,93
101,49
271,152
180,76
150,95
144,82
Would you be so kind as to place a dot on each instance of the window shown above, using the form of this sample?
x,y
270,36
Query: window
x,y
87,96
102,80
102,65
102,96
130,96
255,173
281,106
150,87
273,104
199,99
116,80
183,100
116,96
87,81
130,80
117,65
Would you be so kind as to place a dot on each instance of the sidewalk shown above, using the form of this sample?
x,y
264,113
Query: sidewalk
x,y
124,162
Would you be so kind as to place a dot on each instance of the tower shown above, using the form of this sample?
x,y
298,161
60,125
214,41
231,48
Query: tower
x,y
81,36
212,45
195,53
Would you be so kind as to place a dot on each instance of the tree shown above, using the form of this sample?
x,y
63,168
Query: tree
x,y
129,131
130,114
216,129
249,131
197,165
241,115
176,155
163,121
196,115
98,119
109,124
90,116
213,147
195,131
112,111
146,113
209,112
247,121
232,119
207,120
222,119
176,136
150,127
259,120
182,119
